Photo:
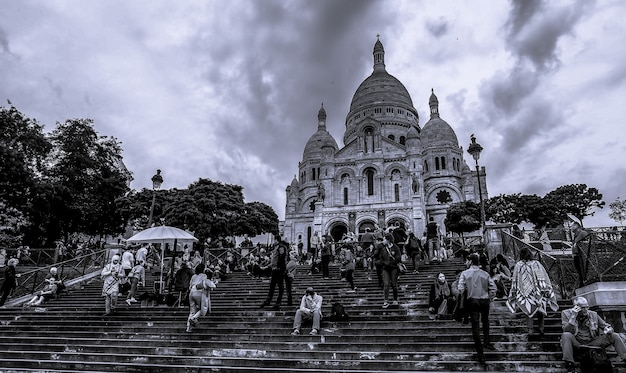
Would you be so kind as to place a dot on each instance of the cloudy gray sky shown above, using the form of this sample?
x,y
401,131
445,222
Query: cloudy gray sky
x,y
229,90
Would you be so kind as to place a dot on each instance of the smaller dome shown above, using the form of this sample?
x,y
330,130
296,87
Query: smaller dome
x,y
413,133
320,139
294,182
438,131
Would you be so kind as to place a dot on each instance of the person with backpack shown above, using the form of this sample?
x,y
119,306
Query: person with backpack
x,y
279,268
414,251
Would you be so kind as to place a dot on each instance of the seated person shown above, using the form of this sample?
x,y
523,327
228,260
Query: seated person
x,y
441,299
499,278
54,275
582,326
310,308
48,292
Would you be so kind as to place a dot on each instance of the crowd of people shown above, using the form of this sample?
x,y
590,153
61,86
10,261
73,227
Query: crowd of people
x,y
525,286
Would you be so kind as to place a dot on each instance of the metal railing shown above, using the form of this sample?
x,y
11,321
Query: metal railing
x,y
603,260
32,280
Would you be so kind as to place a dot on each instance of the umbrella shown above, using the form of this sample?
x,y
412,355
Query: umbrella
x,y
162,234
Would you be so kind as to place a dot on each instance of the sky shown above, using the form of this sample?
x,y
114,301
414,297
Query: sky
x,y
230,89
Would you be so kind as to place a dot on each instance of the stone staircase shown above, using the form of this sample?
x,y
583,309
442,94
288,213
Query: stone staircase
x,y
69,334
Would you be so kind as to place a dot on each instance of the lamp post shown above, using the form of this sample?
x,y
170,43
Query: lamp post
x,y
157,180
474,149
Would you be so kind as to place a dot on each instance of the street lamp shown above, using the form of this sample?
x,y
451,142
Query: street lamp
x,y
157,180
474,149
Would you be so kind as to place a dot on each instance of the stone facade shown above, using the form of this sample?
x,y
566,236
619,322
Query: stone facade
x,y
390,170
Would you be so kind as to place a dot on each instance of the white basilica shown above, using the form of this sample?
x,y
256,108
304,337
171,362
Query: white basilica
x,y
390,170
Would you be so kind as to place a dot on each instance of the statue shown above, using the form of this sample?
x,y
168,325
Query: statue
x,y
321,192
415,183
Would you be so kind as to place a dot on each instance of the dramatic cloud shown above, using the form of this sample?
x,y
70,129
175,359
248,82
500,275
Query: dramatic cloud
x,y
230,90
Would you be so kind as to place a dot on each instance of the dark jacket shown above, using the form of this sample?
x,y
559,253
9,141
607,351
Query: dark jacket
x,y
9,278
390,256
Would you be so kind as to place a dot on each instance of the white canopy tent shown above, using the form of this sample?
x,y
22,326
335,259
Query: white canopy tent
x,y
163,234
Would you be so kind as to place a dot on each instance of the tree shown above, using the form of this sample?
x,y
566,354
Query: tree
x,y
505,208
208,208
258,218
87,176
23,149
618,210
577,200
463,217
540,212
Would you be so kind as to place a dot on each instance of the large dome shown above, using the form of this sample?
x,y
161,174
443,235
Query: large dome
x,y
380,87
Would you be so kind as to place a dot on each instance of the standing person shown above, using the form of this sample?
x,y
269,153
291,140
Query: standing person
x,y
531,290
390,255
582,326
136,276
290,275
581,245
480,289
278,266
399,235
414,251
367,238
302,252
199,297
349,265
310,308
3,257
315,246
111,274
128,261
326,255
10,280
142,254
432,239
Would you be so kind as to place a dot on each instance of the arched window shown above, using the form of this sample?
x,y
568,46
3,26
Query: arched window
x,y
425,165
396,192
369,173
313,174
345,196
391,137
436,163
443,163
402,140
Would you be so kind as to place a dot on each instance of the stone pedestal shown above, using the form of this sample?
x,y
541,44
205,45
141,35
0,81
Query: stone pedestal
x,y
317,219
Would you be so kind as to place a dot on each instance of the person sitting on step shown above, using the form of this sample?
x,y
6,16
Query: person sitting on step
x,y
582,326
310,308
48,292
441,300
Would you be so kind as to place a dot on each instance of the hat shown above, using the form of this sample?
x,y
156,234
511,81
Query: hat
x,y
115,257
310,290
53,270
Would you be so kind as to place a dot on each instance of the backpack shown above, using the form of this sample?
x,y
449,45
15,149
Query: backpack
x,y
594,360
338,313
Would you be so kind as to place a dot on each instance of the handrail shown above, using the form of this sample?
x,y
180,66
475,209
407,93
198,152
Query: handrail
x,y
603,260
32,281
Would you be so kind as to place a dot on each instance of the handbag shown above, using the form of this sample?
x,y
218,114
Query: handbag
x,y
402,267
